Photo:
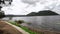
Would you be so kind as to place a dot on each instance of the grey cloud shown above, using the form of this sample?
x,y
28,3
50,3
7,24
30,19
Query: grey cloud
x,y
43,1
57,8
47,1
30,2
52,5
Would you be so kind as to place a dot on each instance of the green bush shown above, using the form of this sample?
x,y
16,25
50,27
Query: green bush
x,y
19,21
14,23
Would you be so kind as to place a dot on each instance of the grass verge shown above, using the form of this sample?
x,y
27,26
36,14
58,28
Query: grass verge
x,y
23,27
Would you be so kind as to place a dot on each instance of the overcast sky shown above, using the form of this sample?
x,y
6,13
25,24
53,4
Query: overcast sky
x,y
23,7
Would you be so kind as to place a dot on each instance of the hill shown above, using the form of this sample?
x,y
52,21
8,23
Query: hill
x,y
42,13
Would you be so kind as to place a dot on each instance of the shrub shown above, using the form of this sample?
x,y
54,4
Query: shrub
x,y
19,21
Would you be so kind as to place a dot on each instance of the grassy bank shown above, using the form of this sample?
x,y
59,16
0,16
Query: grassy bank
x,y
23,27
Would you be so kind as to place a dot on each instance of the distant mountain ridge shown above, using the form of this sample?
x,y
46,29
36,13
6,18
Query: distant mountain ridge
x,y
42,13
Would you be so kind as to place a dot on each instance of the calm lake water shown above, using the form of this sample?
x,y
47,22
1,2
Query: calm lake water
x,y
48,22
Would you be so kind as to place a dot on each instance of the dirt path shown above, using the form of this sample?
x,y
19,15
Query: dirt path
x,y
7,29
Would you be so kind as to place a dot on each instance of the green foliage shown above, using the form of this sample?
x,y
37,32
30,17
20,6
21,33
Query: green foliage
x,y
19,21
27,30
2,14
23,27
42,13
14,23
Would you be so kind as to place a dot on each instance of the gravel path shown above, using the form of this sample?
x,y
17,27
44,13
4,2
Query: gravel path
x,y
18,28
7,29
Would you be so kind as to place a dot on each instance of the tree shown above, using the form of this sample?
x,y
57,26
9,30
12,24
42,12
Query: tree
x,y
2,14
3,2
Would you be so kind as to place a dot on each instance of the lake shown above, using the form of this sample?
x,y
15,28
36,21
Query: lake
x,y
46,22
